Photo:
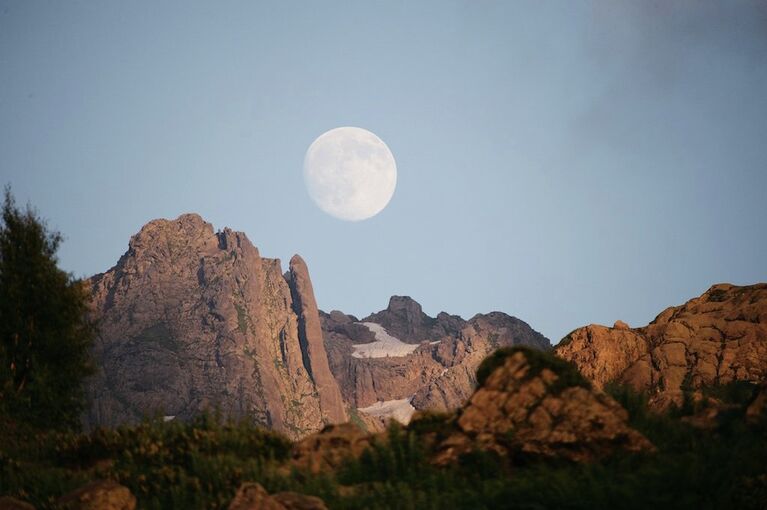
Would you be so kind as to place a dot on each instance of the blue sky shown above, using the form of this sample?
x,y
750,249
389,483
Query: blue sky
x,y
564,162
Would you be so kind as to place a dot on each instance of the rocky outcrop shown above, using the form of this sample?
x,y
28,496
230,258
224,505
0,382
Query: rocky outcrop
x,y
312,346
328,449
9,503
534,405
716,338
404,318
99,495
436,371
191,319
252,496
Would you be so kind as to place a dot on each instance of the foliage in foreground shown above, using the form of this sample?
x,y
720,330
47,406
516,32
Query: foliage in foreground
x,y
44,335
200,465
166,465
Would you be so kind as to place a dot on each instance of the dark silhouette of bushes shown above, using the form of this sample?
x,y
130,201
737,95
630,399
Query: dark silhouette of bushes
x,y
568,374
44,334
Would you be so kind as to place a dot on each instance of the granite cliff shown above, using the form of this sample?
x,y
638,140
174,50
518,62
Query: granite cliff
x,y
717,338
192,319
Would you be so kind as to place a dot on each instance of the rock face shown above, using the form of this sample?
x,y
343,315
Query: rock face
x,y
431,362
192,319
533,405
716,338
312,344
328,449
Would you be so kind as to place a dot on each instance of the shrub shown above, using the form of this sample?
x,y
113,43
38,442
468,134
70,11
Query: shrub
x,y
568,375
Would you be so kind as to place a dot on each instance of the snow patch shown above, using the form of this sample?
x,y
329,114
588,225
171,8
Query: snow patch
x,y
400,410
384,346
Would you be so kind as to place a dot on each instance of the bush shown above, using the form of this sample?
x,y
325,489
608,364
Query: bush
x,y
166,465
568,374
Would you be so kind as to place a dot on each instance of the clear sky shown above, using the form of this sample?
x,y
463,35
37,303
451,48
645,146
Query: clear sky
x,y
565,162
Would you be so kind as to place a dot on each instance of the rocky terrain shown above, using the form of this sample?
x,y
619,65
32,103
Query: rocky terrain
x,y
533,405
535,434
400,360
529,405
713,339
192,319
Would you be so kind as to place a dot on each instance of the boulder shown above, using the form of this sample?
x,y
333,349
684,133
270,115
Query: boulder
x,y
328,449
252,496
534,405
99,495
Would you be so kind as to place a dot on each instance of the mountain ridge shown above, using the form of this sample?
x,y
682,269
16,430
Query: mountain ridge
x,y
192,319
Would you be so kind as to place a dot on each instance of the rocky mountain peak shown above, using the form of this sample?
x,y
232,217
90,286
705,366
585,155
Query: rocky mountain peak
x,y
404,318
189,227
406,306
194,319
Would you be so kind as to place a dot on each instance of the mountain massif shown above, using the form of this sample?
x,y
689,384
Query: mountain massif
x,y
191,319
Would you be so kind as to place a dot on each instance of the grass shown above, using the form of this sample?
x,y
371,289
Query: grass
x,y
166,465
242,321
200,465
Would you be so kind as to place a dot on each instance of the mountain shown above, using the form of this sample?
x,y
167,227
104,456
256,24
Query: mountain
x,y
400,360
717,338
192,319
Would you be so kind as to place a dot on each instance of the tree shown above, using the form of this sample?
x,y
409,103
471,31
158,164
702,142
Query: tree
x,y
45,336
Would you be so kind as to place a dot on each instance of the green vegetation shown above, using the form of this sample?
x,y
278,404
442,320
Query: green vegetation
x,y
717,295
44,335
166,465
567,373
201,464
355,419
242,321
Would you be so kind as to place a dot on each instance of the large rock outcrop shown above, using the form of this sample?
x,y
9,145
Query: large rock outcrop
x,y
99,495
312,344
716,338
329,449
532,404
252,496
399,360
191,319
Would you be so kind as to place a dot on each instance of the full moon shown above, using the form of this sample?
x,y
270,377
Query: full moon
x,y
350,173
